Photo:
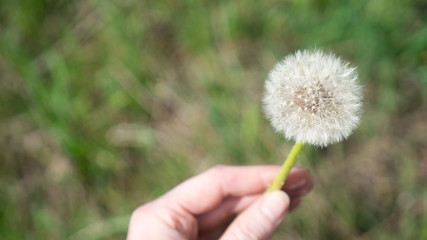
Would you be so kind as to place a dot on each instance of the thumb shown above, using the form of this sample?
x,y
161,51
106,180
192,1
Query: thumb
x,y
261,219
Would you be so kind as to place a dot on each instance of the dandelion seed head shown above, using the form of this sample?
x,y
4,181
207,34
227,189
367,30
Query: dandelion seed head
x,y
323,95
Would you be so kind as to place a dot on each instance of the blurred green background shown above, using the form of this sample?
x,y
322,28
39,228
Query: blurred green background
x,y
105,105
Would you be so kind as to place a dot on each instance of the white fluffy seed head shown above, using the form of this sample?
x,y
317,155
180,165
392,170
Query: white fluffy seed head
x,y
313,98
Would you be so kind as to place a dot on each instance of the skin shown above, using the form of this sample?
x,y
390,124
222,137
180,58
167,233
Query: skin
x,y
224,202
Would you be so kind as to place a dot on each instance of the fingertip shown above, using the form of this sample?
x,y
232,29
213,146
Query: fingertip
x,y
299,170
261,219
298,178
295,202
275,205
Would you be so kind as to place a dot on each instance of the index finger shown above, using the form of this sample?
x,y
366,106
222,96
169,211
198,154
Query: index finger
x,y
203,192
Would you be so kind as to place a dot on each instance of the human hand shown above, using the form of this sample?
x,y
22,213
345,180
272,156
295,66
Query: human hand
x,y
227,202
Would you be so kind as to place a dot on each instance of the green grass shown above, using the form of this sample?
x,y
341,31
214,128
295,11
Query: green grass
x,y
105,105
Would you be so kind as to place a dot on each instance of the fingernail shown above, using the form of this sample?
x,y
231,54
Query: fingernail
x,y
275,204
296,184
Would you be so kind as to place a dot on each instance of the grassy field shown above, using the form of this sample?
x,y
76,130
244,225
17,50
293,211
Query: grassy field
x,y
105,105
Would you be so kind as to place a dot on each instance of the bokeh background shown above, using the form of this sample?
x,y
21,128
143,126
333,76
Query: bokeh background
x,y
105,105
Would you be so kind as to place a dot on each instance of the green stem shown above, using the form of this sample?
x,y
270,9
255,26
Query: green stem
x,y
286,168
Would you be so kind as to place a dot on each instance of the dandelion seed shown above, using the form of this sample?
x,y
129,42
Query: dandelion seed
x,y
324,93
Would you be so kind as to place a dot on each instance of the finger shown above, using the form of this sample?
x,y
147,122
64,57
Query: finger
x,y
234,205
214,233
150,221
207,190
228,209
261,219
297,178
298,183
302,190
295,202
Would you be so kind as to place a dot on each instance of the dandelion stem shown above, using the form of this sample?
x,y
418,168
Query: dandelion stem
x,y
286,168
